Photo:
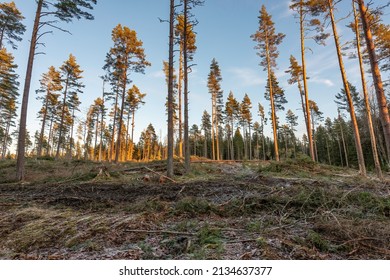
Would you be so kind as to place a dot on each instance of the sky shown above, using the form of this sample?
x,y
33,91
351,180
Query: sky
x,y
223,33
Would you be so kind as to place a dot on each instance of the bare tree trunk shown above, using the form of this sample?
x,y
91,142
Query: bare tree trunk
x,y
20,168
366,100
213,126
180,101
343,140
62,119
39,152
187,152
127,136
132,135
273,112
118,144
376,74
359,151
114,126
250,142
308,117
170,90
101,127
71,135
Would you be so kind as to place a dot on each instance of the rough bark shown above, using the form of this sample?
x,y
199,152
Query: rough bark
x,y
376,74
20,164
366,99
359,151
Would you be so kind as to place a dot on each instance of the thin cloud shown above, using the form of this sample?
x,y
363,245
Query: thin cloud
x,y
326,82
247,76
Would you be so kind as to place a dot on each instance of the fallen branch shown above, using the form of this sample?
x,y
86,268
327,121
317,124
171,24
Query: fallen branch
x,y
243,241
159,232
147,168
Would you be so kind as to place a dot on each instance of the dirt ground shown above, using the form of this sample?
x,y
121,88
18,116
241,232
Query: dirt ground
x,y
218,211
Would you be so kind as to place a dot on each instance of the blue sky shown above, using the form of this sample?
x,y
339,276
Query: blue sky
x,y
223,33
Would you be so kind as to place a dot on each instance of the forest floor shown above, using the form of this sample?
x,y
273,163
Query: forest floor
x,y
225,210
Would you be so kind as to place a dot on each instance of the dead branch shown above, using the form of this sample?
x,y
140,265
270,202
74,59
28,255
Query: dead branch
x,y
159,232
147,168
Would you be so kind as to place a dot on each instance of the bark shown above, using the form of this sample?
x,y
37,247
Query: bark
x,y
180,101
343,140
366,99
62,119
170,91
20,164
359,151
187,152
113,126
39,152
376,74
132,135
119,138
306,89
273,112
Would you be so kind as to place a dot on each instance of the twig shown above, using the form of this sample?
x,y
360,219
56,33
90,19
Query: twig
x,y
147,168
242,241
159,232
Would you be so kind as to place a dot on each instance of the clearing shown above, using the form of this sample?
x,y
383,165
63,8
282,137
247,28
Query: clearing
x,y
224,210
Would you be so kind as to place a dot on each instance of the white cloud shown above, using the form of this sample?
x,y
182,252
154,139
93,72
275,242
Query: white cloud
x,y
158,74
326,82
247,76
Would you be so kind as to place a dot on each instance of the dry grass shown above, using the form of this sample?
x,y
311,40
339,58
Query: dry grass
x,y
243,210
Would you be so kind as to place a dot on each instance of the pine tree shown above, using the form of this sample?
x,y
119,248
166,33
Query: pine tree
x,y
126,56
365,94
263,122
134,100
291,119
206,127
296,76
232,111
170,90
50,86
190,36
246,118
379,90
214,85
267,41
307,11
9,93
329,4
11,26
47,14
70,78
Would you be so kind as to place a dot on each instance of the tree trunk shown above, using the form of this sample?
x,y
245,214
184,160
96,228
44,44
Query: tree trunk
x,y
20,171
308,117
132,135
376,74
213,126
180,101
62,119
366,100
114,126
343,140
187,152
119,137
170,90
39,152
359,151
71,136
127,136
101,127
273,112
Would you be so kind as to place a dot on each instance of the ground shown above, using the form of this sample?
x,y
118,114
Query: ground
x,y
226,210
